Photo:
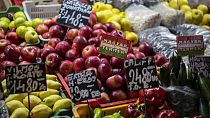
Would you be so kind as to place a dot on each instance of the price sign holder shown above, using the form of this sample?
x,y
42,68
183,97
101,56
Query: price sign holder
x,y
113,46
26,79
190,45
74,14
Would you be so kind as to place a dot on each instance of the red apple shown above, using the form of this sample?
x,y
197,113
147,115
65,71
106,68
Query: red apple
x,y
47,50
53,60
115,82
71,34
13,38
105,56
94,41
130,56
85,31
53,42
41,29
49,22
88,51
62,47
98,32
133,94
7,63
145,48
92,19
118,71
99,26
118,95
160,59
94,69
24,63
12,53
110,26
30,53
79,43
104,98
46,35
79,64
66,68
3,44
92,61
56,31
2,36
71,55
104,61
139,55
105,71
116,62
118,33
2,57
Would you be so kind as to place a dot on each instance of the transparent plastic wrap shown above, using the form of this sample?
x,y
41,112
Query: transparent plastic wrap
x,y
123,4
169,16
150,2
161,39
142,17
183,100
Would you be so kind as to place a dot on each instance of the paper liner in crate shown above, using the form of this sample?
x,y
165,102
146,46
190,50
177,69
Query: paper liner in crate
x,y
142,17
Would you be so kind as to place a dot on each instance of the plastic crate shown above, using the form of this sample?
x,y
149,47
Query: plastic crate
x,y
84,111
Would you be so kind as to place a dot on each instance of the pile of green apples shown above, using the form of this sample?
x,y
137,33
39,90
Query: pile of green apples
x,y
22,29
198,15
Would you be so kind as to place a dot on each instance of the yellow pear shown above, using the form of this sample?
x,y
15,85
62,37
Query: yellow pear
x,y
51,77
185,8
44,94
34,100
41,111
203,8
20,113
18,97
50,101
173,4
118,26
131,36
62,104
4,84
125,24
53,85
115,10
206,19
14,104
197,16
205,27
166,3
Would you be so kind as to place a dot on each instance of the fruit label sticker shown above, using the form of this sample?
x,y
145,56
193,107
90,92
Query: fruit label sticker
x,y
74,13
83,85
113,46
91,2
190,45
26,78
141,73
200,64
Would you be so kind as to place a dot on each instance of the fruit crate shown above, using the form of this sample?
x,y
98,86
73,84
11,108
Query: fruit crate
x,y
84,111
93,102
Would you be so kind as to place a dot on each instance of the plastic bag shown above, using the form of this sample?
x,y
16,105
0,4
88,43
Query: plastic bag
x,y
169,16
150,2
161,39
142,17
123,4
183,100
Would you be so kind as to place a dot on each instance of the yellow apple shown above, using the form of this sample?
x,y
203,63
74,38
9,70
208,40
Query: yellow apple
x,y
108,14
203,8
101,17
115,18
197,16
118,27
125,24
185,8
205,27
122,14
166,3
188,17
206,19
99,6
182,2
132,37
108,6
115,10
173,4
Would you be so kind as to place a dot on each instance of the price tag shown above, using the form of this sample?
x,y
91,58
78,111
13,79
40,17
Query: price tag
x,y
83,85
200,64
113,46
26,78
141,73
74,13
91,2
190,45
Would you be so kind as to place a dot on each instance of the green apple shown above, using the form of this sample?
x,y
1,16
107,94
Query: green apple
x,y
31,37
12,25
30,29
125,24
4,25
36,22
5,19
188,17
185,8
197,16
21,31
19,21
19,14
203,8
206,19
27,23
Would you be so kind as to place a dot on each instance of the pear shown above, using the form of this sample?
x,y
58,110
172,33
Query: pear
x,y
203,8
34,100
131,36
51,77
50,101
41,111
14,104
53,85
44,94
35,93
18,97
125,24
62,104
20,113
185,8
